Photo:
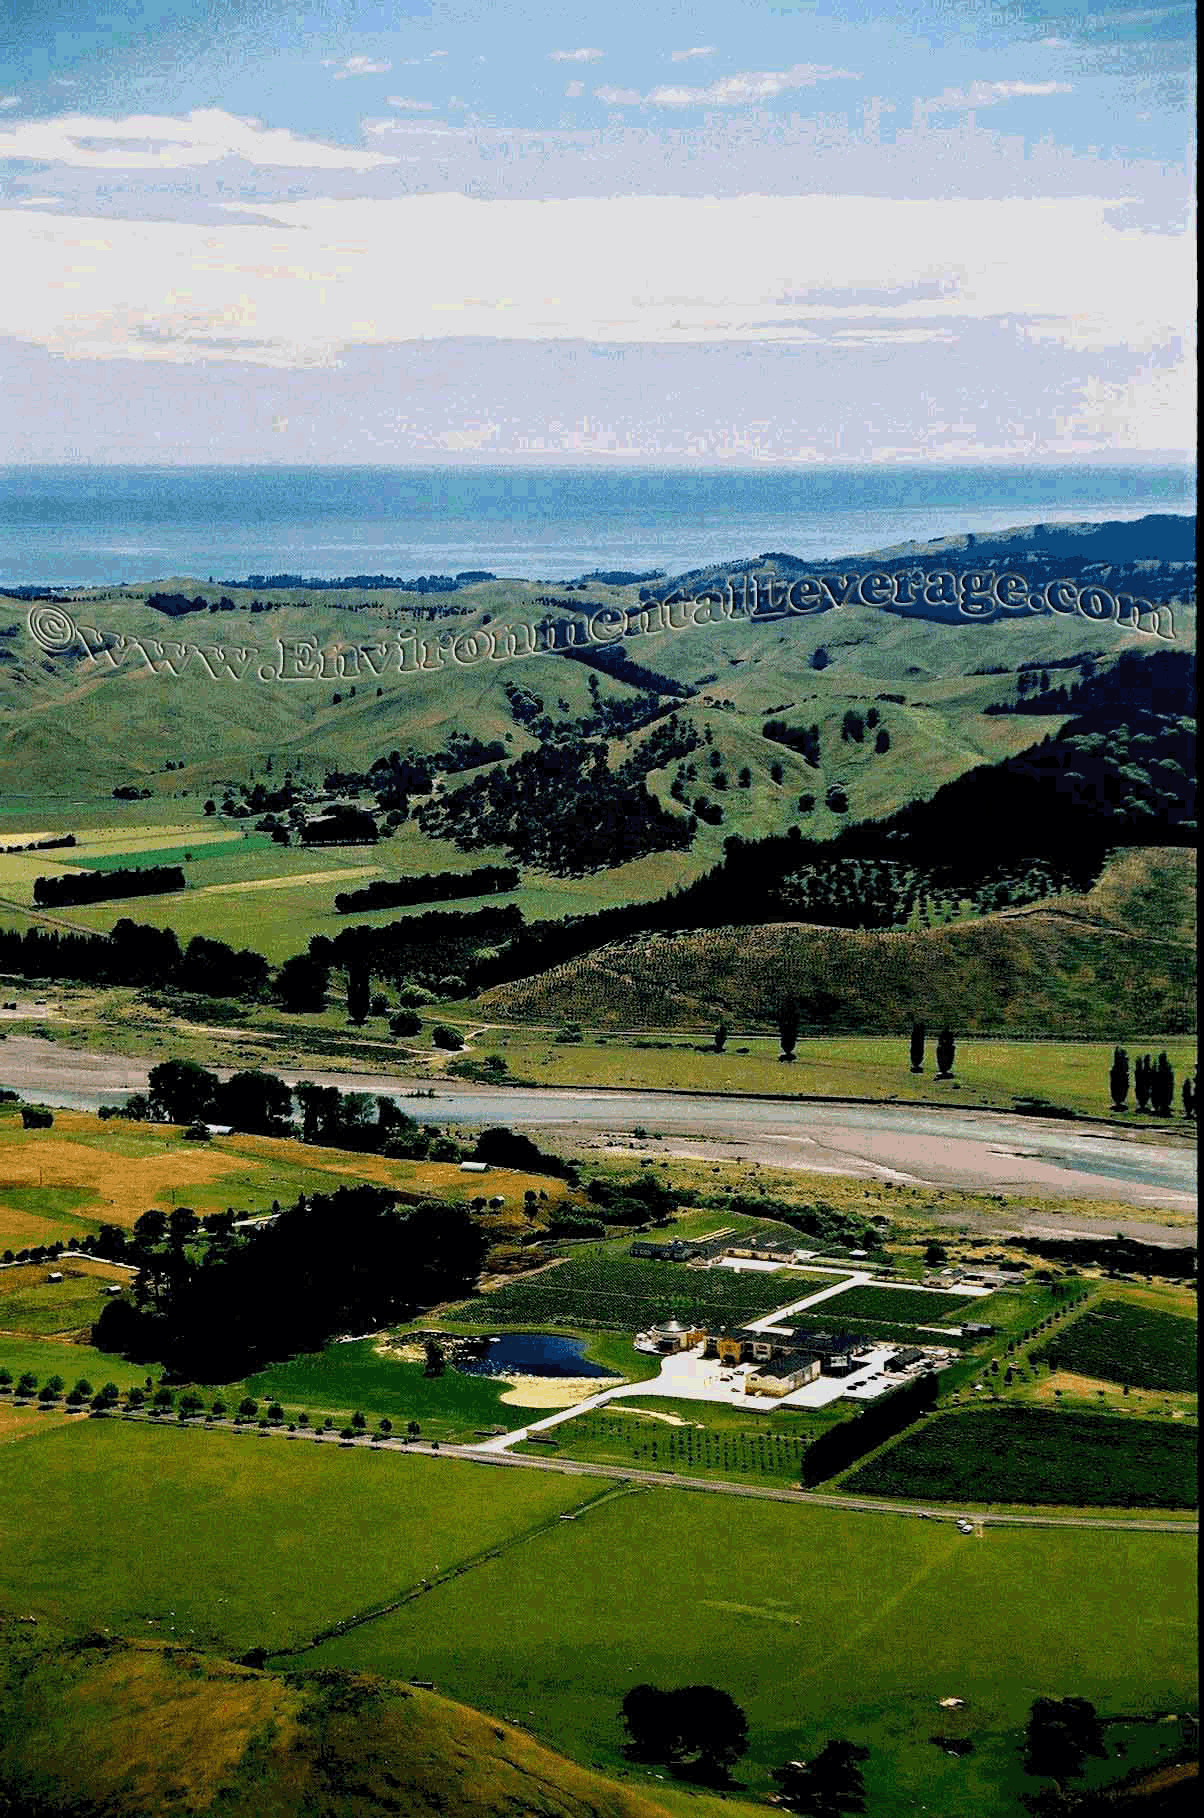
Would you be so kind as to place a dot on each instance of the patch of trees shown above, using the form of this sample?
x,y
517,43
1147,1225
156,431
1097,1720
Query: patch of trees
x,y
1154,1084
503,1148
643,1201
823,1221
613,660
1124,1255
135,954
836,1448
828,1785
184,1092
438,950
803,739
397,776
560,808
1060,1735
423,583
620,577
1158,682
697,1729
176,605
369,1125
107,886
674,738
66,839
431,887
301,984
341,826
328,1264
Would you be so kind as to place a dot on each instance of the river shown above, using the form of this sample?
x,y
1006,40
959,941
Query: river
x,y
983,1151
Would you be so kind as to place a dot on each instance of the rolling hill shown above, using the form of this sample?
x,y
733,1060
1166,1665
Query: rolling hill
x,y
1120,959
103,1728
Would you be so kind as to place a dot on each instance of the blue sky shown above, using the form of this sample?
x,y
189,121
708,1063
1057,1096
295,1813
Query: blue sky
x,y
804,231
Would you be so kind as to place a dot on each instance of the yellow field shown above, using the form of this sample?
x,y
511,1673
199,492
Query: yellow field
x,y
19,869
85,1173
17,1423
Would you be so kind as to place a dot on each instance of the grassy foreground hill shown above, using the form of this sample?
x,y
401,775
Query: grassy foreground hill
x,y
100,1726
1118,959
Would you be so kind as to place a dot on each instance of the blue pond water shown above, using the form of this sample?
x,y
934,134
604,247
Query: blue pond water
x,y
532,1354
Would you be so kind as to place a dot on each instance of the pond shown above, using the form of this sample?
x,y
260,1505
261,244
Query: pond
x,y
531,1354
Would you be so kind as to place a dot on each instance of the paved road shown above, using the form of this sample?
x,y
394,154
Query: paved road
x,y
572,1467
984,1151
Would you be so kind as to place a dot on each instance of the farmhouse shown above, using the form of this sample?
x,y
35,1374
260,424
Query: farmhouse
x,y
837,1353
681,1249
763,1249
780,1375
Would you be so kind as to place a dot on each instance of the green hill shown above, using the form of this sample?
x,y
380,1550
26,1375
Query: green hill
x,y
1120,958
103,1728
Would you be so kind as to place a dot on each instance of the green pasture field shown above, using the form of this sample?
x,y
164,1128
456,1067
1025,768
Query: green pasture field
x,y
227,1541
196,852
1000,1074
698,1439
45,1308
331,1384
46,1357
1119,1342
819,1623
626,1293
1023,1454
278,917
344,1378
899,1306
1014,1311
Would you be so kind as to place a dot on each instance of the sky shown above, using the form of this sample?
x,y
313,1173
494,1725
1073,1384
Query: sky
x,y
787,231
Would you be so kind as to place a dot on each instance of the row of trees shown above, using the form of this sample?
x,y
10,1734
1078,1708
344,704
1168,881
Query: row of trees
x,y
109,1399
946,1050
105,886
1153,1084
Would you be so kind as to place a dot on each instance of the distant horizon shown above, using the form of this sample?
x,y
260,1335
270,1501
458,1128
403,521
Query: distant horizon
x,y
1169,462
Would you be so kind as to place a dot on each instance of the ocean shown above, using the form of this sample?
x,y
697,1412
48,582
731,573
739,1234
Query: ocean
x,y
91,526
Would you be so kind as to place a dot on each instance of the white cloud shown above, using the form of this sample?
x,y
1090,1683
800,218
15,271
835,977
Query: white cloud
x,y
730,91
291,290
574,89
576,56
412,106
363,66
989,94
9,101
695,50
163,142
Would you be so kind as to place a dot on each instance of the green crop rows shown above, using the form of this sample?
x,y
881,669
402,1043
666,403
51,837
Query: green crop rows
x,y
1118,1342
1029,1455
906,1306
625,1294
